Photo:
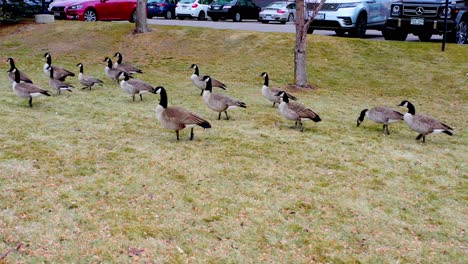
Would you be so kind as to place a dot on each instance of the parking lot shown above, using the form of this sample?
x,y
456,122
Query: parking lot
x,y
272,27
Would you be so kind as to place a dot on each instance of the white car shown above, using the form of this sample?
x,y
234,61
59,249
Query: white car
x,y
352,16
192,9
278,11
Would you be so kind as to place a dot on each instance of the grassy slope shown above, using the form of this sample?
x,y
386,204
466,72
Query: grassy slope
x,y
86,176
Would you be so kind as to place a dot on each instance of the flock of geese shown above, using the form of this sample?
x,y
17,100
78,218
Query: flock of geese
x,y
177,118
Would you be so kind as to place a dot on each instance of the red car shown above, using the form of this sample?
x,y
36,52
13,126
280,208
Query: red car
x,y
93,10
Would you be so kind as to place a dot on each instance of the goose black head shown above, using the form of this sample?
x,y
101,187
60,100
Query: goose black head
x,y
403,103
106,59
193,66
46,55
117,54
157,90
125,75
283,97
264,74
79,65
360,119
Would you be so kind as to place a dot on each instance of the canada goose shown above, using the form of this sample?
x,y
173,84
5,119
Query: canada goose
x,y
11,74
57,84
27,90
295,111
423,124
380,115
111,73
86,80
59,73
176,118
270,93
125,66
200,83
134,86
219,102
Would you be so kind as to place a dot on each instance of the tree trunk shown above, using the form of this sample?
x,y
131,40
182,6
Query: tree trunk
x,y
305,15
141,25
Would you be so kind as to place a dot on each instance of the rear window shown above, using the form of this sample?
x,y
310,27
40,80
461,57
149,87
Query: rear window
x,y
187,1
276,5
224,2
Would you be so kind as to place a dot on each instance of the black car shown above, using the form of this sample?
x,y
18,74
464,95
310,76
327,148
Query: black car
x,y
161,8
233,9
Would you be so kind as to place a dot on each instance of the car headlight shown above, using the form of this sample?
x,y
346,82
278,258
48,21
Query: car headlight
x,y
226,7
347,5
396,10
444,12
75,7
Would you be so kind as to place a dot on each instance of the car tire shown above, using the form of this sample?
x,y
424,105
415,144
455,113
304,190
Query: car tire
x,y
264,21
90,15
425,37
390,34
291,18
201,15
169,15
133,17
359,31
237,17
461,36
310,31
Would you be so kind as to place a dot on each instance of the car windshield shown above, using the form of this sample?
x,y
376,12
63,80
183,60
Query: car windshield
x,y
225,2
156,1
187,1
276,5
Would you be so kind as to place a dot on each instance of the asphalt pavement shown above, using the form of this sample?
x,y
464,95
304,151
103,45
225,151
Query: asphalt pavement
x,y
254,25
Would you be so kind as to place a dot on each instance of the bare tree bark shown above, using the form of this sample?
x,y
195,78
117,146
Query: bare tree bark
x,y
305,14
141,25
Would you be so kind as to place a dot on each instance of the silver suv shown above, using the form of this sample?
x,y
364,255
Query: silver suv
x,y
351,16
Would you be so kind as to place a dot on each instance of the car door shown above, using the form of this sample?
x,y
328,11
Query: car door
x,y
373,10
113,9
292,9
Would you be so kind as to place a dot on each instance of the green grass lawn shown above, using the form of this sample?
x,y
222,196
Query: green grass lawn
x,y
91,176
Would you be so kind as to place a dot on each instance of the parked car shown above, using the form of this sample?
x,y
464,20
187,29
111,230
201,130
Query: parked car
x,y
351,16
161,8
425,18
192,9
278,11
462,25
93,10
16,9
233,9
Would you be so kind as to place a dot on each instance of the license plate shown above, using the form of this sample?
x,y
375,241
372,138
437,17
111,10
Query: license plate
x,y
57,14
184,7
417,21
320,16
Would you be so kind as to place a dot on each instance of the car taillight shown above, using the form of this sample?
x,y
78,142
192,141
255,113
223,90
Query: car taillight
x,y
194,5
279,11
177,5
163,4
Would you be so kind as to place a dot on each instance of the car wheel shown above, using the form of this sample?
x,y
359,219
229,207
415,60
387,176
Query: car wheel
x,y
340,33
425,37
310,30
359,30
201,15
290,18
237,17
168,15
390,34
90,15
133,17
462,32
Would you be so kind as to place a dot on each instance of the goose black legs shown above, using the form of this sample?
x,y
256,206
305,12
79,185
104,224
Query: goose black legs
x,y
141,97
274,104
385,129
30,101
191,134
423,138
227,117
201,92
177,133
219,116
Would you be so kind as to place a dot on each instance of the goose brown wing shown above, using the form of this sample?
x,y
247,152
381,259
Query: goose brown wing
x,y
61,74
23,77
216,83
431,121
226,100
129,68
389,113
302,111
29,88
140,85
183,116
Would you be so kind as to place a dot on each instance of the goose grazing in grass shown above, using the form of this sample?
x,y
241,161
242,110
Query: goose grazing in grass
x,y
11,74
125,66
270,93
380,115
295,111
423,124
111,73
26,90
198,81
59,73
219,102
58,85
177,118
86,80
134,86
